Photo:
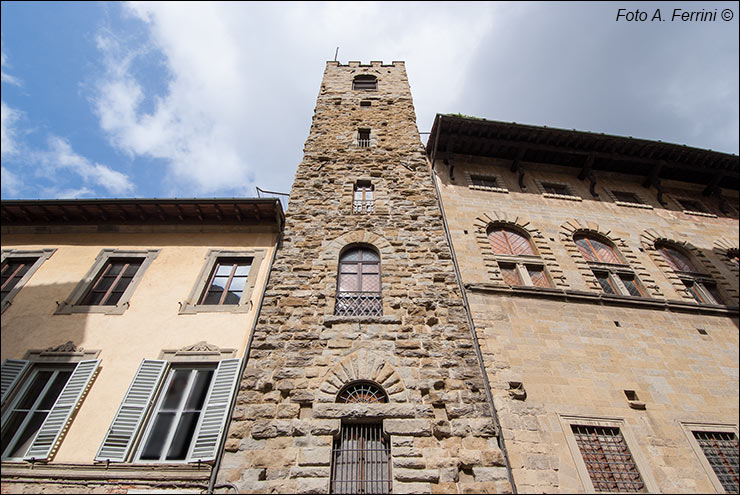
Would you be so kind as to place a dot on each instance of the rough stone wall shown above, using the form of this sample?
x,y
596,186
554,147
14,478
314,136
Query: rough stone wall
x,y
420,350
576,356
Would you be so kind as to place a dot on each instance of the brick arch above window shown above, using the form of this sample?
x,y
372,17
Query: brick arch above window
x,y
649,238
362,365
485,221
573,228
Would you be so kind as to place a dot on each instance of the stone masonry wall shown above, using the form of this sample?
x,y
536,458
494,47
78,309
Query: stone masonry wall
x,y
443,438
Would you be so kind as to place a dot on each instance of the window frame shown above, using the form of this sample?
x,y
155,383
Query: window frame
x,y
363,205
192,304
567,421
689,428
522,263
691,279
365,78
542,186
615,272
72,304
371,294
612,193
346,430
488,175
41,256
364,142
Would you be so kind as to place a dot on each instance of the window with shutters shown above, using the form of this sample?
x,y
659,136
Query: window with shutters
x,y
701,286
226,282
520,265
613,275
361,460
17,268
716,446
110,283
363,200
358,284
42,398
365,82
171,429
188,412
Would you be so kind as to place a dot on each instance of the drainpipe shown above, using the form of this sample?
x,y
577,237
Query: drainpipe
x,y
220,451
468,313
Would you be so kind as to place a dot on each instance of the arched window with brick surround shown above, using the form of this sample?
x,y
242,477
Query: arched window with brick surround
x,y
702,287
516,257
358,283
611,271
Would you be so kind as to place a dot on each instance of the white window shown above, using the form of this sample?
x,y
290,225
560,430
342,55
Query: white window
x,y
44,397
187,420
364,197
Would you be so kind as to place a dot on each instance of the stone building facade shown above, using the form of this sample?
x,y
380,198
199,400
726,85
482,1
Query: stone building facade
x,y
363,291
602,278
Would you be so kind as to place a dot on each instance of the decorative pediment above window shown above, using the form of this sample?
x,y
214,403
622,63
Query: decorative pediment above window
x,y
62,353
200,351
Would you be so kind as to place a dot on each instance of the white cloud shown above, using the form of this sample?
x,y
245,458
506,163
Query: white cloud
x,y
5,77
61,158
8,117
11,183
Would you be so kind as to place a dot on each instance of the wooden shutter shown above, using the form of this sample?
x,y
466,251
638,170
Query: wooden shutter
x,y
61,411
127,421
212,421
12,372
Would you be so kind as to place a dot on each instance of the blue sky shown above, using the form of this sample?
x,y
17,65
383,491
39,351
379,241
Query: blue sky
x,y
214,99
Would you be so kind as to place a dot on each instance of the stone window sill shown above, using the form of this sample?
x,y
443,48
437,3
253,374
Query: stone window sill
x,y
492,189
562,196
700,214
634,205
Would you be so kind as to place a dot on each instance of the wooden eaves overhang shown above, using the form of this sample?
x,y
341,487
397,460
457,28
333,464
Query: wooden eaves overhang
x,y
585,152
227,211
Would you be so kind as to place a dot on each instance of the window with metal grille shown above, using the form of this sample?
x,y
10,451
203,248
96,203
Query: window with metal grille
x,y
171,430
361,460
13,270
111,282
721,450
363,199
358,286
608,460
227,281
627,197
365,81
517,260
614,275
363,138
701,286
479,180
692,205
553,188
361,392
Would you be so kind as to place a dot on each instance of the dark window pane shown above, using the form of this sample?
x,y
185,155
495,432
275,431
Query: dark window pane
x,y
122,284
510,275
132,269
157,436
113,299
176,389
605,283
29,433
199,390
713,291
626,197
212,297
11,427
232,297
478,180
34,390
183,436
631,285
53,392
112,269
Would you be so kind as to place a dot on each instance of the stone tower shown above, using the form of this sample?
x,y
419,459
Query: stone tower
x,y
363,340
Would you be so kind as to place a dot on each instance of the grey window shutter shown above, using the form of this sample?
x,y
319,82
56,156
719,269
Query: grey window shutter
x,y
212,422
61,411
127,421
12,372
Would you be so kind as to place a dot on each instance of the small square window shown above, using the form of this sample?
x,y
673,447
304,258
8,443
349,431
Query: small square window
x,y
692,205
479,180
559,189
363,138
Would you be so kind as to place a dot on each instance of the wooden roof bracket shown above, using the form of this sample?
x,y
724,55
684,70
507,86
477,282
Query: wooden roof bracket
x,y
654,180
516,166
588,172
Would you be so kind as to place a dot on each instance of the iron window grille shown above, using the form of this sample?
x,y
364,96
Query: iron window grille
x,y
227,281
721,451
358,287
361,460
361,392
479,180
701,287
363,138
612,274
111,282
13,270
363,198
365,82
517,260
609,463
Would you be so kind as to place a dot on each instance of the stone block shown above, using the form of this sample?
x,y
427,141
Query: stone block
x,y
312,485
317,456
483,474
309,472
411,488
416,475
409,462
410,427
325,426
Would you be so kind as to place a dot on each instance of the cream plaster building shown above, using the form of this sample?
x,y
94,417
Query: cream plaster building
x,y
124,329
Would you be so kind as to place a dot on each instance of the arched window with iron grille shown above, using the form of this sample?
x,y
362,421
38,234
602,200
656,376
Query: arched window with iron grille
x,y
358,284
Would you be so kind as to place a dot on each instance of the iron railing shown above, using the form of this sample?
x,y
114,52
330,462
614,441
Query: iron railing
x,y
358,304
363,143
360,207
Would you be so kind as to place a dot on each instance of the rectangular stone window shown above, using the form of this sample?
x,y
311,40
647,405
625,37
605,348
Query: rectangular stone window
x,y
553,188
363,138
626,197
692,205
557,190
361,460
716,447
17,269
479,180
608,459
225,283
109,284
